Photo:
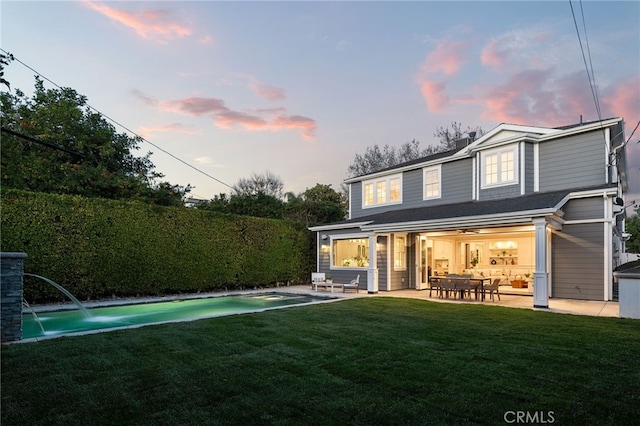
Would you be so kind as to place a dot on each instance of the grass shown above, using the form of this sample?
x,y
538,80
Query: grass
x,y
374,361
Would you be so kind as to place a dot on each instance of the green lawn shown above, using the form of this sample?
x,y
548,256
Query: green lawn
x,y
373,361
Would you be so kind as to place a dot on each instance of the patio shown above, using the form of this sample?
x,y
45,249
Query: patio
x,y
561,306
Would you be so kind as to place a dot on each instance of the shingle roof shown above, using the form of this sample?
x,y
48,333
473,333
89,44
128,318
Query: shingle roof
x,y
537,201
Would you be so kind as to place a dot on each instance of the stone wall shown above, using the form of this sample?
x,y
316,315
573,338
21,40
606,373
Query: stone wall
x,y
11,274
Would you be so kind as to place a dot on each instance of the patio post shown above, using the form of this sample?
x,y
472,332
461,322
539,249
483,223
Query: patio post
x,y
372,271
540,275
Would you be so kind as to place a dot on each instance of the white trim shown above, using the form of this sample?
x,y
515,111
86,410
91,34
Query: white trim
x,y
334,227
350,202
522,169
406,254
374,182
513,148
607,153
359,236
425,170
474,178
536,167
608,249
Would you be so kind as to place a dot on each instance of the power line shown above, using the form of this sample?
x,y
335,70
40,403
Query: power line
x,y
38,141
589,68
123,126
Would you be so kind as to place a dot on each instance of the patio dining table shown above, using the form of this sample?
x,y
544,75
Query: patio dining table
x,y
477,284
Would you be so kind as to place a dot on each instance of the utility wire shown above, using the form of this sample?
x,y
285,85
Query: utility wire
x,y
123,126
38,141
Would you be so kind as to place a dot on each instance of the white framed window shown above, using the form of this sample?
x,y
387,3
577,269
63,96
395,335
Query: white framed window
x,y
400,253
382,191
500,167
350,252
367,195
432,182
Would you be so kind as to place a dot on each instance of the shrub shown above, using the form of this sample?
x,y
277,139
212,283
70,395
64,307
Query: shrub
x,y
100,248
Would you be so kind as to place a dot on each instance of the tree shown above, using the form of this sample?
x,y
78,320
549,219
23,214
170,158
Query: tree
x,y
267,184
104,165
4,60
632,226
317,205
449,136
376,159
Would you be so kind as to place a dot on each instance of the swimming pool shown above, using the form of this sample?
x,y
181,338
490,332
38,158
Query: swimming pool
x,y
57,323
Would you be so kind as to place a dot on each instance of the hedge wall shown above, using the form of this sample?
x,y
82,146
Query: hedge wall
x,y
99,248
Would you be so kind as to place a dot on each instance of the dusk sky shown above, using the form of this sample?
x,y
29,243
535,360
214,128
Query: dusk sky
x,y
299,88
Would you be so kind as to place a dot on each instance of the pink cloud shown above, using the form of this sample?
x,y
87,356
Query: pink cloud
x,y
493,54
266,91
270,93
447,57
167,128
624,99
157,25
434,94
227,119
537,97
271,119
144,98
306,125
521,100
195,106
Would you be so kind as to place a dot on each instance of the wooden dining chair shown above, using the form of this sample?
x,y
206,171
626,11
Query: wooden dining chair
x,y
464,287
494,287
447,285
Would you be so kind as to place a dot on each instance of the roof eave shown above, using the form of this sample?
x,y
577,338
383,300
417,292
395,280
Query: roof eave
x,y
491,220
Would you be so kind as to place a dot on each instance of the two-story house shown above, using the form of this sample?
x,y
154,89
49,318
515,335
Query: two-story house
x,y
537,204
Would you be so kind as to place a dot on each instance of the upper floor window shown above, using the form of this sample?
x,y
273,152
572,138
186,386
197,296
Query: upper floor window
x,y
385,190
432,180
499,167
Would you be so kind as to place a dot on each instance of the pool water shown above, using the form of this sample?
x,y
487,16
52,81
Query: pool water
x,y
58,323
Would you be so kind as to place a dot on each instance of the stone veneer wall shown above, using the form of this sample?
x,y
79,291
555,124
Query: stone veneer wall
x,y
11,274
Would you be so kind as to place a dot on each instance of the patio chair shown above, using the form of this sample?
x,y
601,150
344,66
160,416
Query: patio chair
x,y
434,284
447,285
353,285
463,286
317,278
493,287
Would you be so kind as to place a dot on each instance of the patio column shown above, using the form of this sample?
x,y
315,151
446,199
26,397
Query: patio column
x,y
540,275
372,271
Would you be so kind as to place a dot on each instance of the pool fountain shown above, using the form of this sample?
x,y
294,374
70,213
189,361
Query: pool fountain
x,y
63,290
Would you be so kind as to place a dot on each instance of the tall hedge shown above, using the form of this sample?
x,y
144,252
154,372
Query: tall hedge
x,y
99,248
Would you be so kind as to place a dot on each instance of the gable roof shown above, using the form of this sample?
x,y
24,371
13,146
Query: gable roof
x,y
511,132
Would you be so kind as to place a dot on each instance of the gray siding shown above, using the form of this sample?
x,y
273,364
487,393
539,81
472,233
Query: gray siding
x,y
457,181
384,247
578,262
456,187
500,192
528,169
573,162
584,208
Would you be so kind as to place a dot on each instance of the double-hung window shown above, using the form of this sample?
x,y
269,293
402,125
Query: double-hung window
x,y
400,253
382,191
500,167
432,182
